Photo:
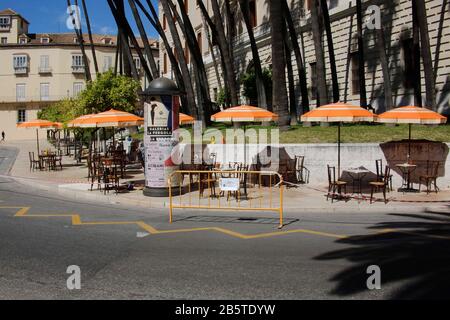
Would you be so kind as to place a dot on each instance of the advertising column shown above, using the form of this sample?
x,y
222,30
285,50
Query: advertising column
x,y
161,113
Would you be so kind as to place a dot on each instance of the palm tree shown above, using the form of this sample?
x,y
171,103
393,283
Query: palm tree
x,y
260,88
430,86
279,93
298,57
361,56
332,57
316,26
213,53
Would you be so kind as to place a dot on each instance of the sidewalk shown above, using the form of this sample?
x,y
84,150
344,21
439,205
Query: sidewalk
x,y
72,183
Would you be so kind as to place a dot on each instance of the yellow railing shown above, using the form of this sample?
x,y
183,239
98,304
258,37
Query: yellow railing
x,y
256,186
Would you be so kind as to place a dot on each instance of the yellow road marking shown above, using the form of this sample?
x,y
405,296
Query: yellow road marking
x,y
76,221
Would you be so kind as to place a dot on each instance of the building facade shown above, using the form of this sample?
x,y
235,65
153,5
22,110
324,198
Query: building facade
x,y
40,69
396,20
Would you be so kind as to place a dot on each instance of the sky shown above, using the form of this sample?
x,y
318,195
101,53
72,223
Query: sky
x,y
50,16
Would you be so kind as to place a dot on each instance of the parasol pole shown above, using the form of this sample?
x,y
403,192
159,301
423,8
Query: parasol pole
x,y
37,140
409,142
339,149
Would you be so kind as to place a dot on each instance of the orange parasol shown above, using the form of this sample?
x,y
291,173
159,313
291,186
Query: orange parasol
x,y
39,124
185,119
339,112
112,118
76,122
411,115
244,114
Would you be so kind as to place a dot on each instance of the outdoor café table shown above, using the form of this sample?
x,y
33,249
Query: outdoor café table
x,y
229,172
357,174
407,169
48,161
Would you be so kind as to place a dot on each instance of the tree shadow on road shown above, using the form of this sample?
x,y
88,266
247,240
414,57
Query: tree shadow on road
x,y
415,253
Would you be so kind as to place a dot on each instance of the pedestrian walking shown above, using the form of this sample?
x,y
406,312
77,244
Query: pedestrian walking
x,y
3,135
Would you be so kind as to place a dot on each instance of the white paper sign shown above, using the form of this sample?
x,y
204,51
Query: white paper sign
x,y
229,184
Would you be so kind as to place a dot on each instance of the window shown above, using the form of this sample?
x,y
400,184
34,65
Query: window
x,y
5,22
107,63
20,92
45,64
77,88
45,40
23,41
200,42
4,40
20,63
164,22
165,63
409,65
186,5
45,91
77,63
215,94
253,17
355,72
313,67
137,63
21,115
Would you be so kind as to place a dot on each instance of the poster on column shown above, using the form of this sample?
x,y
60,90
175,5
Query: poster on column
x,y
159,143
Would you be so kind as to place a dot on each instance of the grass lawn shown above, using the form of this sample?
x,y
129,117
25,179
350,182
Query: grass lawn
x,y
351,133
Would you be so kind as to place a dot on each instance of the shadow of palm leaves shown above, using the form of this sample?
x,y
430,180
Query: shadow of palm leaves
x,y
414,255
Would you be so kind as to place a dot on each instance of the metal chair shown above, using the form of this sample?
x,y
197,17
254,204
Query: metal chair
x,y
33,162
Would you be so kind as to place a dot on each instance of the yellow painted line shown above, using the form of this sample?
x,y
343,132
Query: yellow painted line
x,y
76,221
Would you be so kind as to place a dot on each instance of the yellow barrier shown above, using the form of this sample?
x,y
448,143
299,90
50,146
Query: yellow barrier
x,y
208,180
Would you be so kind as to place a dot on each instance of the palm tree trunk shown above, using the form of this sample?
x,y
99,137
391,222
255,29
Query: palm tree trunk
x,y
298,57
361,56
178,49
143,33
88,25
201,78
416,53
226,51
118,10
211,49
260,88
291,81
187,99
79,34
279,93
385,68
430,86
332,57
322,90
215,39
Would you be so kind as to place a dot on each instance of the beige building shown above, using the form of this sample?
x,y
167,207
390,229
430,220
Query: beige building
x,y
396,19
39,69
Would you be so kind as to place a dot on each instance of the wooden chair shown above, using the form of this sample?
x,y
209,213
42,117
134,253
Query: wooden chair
x,y
380,174
381,185
207,181
430,177
335,185
301,171
33,162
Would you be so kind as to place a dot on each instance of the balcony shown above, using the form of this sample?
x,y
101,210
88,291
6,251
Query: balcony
x,y
45,70
77,69
20,70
